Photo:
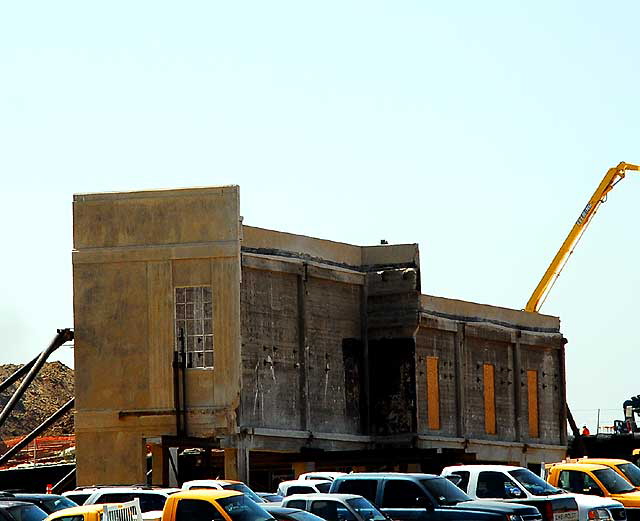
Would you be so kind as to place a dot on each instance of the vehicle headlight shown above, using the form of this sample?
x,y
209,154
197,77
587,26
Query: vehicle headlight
x,y
513,517
599,514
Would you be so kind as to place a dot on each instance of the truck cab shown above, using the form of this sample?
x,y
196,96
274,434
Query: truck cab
x,y
596,480
626,469
519,484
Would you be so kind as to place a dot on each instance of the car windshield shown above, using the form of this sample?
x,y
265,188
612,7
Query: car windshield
x,y
53,505
301,515
241,508
631,472
79,498
366,510
241,487
534,484
445,492
27,513
612,481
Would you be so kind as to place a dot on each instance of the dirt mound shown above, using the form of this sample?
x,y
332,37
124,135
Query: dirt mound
x,y
51,389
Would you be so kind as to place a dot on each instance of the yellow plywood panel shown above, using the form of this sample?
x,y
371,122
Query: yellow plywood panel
x,y
433,393
532,387
489,398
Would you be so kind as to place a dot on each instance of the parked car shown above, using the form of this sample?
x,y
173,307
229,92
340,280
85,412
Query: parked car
x,y
270,497
79,513
150,498
48,502
626,469
290,514
321,475
78,496
597,480
188,505
336,507
222,484
411,497
303,486
213,505
519,484
12,510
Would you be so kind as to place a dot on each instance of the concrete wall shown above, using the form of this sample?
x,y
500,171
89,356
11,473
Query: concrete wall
x,y
131,250
317,344
465,338
301,346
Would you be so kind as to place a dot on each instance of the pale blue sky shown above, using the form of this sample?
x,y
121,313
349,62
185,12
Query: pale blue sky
x,y
477,129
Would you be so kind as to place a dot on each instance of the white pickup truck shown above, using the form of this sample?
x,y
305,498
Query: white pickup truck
x,y
521,485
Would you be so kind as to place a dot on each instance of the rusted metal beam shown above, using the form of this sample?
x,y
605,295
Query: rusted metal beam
x,y
64,335
35,432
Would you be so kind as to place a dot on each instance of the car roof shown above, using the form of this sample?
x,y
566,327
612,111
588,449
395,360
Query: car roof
x,y
305,482
205,493
480,468
14,503
321,495
36,496
281,510
211,482
136,490
602,461
580,466
418,475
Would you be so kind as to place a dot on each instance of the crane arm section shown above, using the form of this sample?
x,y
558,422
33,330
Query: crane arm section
x,y
611,178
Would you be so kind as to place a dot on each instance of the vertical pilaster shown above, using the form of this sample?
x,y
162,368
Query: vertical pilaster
x,y
461,428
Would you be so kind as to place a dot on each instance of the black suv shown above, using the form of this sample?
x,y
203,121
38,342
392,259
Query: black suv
x,y
11,510
426,497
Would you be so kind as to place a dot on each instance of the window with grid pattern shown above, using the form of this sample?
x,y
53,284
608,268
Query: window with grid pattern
x,y
194,325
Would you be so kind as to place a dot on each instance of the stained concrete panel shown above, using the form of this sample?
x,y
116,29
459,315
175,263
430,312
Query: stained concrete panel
x,y
271,394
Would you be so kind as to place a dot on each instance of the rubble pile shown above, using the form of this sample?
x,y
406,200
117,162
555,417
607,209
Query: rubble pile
x,y
50,390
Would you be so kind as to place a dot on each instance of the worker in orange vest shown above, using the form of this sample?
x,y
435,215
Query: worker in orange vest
x,y
585,431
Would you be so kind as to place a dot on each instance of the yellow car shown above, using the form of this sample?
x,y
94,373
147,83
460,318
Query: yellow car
x,y
597,480
212,505
81,513
626,469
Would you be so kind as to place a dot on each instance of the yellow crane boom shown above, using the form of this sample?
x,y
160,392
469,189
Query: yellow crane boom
x,y
611,178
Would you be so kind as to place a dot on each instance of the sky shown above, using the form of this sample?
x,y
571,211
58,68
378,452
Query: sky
x,y
477,129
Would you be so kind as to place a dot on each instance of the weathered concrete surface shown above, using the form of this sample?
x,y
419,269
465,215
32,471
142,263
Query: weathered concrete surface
x,y
466,337
131,250
318,345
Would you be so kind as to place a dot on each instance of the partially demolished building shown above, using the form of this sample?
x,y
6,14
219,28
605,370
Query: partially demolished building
x,y
276,351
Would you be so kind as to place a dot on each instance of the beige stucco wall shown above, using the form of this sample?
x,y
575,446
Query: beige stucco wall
x,y
130,251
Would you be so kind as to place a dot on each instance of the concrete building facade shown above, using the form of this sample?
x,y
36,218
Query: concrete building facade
x,y
192,330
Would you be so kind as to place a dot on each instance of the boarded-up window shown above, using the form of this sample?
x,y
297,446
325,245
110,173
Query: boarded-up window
x,y
433,393
489,398
532,391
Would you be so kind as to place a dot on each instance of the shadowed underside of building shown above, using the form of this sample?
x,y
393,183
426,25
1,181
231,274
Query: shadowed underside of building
x,y
273,352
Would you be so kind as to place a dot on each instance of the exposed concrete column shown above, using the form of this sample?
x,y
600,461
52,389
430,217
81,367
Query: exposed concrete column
x,y
461,427
230,463
303,350
517,383
562,394
365,386
236,461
